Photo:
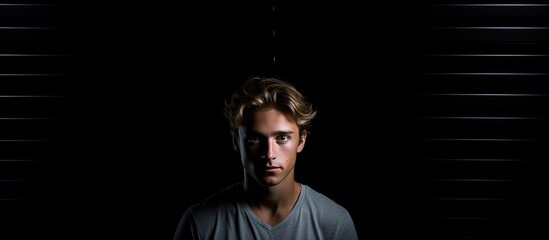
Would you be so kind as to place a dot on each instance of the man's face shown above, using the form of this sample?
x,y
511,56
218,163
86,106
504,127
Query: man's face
x,y
268,144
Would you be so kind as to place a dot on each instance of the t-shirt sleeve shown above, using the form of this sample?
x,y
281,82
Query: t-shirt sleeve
x,y
187,230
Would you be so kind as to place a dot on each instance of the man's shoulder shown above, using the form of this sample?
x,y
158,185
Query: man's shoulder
x,y
322,203
204,215
223,198
332,217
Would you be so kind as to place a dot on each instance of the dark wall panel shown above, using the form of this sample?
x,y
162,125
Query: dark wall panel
x,y
432,114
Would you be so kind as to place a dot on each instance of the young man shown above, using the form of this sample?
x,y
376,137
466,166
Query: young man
x,y
269,119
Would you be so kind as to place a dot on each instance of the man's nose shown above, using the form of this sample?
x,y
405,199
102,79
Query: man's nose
x,y
269,151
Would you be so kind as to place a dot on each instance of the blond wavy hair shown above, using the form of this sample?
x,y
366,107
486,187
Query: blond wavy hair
x,y
263,93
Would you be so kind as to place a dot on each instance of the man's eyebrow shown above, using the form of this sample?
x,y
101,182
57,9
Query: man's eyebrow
x,y
275,133
283,132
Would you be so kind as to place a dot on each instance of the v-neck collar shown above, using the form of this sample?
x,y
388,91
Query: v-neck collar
x,y
291,215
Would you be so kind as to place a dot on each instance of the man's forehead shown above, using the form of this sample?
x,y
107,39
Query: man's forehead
x,y
269,123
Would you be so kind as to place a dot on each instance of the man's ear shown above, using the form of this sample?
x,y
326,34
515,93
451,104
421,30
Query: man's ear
x,y
235,142
302,138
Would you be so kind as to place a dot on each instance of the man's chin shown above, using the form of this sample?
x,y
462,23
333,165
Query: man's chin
x,y
269,182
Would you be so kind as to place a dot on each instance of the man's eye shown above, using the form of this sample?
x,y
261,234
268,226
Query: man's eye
x,y
252,139
283,138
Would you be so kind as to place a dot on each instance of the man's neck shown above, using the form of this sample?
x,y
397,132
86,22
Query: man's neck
x,y
272,203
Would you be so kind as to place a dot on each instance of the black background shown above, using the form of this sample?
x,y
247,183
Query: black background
x,y
142,136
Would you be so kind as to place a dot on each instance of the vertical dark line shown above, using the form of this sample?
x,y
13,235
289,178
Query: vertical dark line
x,y
274,28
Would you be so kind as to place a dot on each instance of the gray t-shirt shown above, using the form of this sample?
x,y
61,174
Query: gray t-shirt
x,y
226,215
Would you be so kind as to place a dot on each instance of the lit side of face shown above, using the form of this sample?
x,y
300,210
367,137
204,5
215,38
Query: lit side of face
x,y
268,144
